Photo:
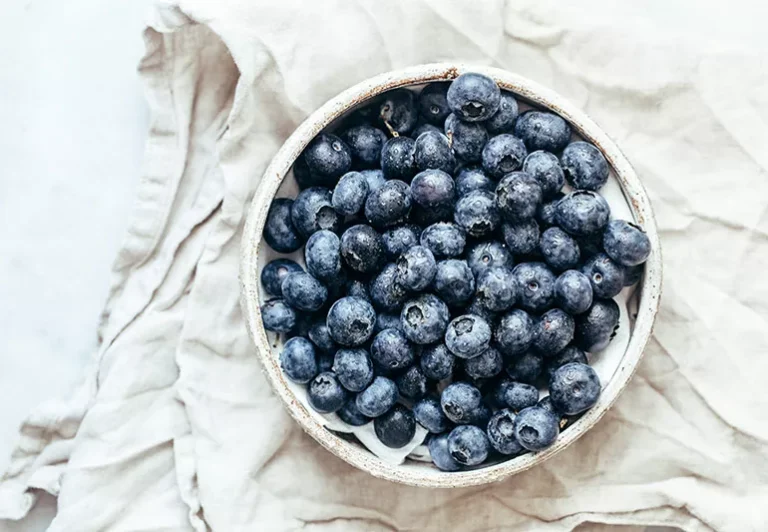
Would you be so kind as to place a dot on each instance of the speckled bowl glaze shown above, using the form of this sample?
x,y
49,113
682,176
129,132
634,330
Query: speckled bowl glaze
x,y
414,472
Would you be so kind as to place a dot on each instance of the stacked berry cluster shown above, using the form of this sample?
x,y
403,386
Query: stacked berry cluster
x,y
447,275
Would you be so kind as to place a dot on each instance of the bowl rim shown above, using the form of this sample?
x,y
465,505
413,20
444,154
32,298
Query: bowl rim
x,y
634,192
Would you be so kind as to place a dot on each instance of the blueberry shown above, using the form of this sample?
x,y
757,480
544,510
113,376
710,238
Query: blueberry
x,y
632,274
416,268
454,282
481,416
476,213
424,128
304,292
559,249
582,213
514,333
424,319
522,238
397,111
484,366
433,151
312,211
525,368
387,294
626,243
606,277
501,432
374,178
437,362
350,321
273,274
545,214
399,239
515,395
362,249
353,368
590,245
397,158
325,394
320,336
573,292
467,139
387,321
425,216
328,158
584,166
349,195
479,309
365,144
488,254
597,327
392,350
444,239
377,398
468,445
302,174
433,188
351,415
355,288
473,97
298,360
412,384
389,204
497,289
468,336
279,231
322,257
545,168
503,120
566,356
324,363
429,415
459,401
503,154
518,196
473,178
574,388
536,428
395,428
543,131
433,103
553,332
438,450
537,286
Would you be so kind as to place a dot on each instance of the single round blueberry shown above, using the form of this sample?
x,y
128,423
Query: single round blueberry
x,y
488,254
353,368
424,319
395,428
536,428
444,239
478,309
304,292
387,294
351,415
355,288
350,321
573,292
582,213
584,166
424,128
459,401
399,239
374,178
468,336
518,196
553,332
433,103
473,97
437,362
387,321
514,333
377,398
574,388
501,432
545,214
632,274
468,445
312,211
433,188
497,289
279,231
484,366
626,243
397,158
416,268
473,178
362,249
365,144
525,368
522,238
412,384
537,286
397,111
328,158
467,139
515,395
349,195
545,168
322,256
454,282
476,213
389,204
597,327
503,120
320,336
606,277
433,151
503,154
559,249
298,360
325,393
566,356
392,350
429,415
543,131
438,451
275,272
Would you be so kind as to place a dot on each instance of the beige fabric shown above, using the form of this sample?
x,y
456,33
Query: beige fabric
x,y
175,427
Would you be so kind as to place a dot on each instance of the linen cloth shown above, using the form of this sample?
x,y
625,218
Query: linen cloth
x,y
175,427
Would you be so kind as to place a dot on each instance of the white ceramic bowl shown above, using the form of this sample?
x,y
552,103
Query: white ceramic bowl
x,y
622,364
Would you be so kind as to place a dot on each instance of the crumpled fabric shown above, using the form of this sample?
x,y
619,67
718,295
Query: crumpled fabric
x,y
175,427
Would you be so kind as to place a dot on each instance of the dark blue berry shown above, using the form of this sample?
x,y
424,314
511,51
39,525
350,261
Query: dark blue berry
x,y
433,103
454,282
467,139
322,256
545,214
525,368
325,393
501,432
522,238
633,274
543,131
537,286
387,321
497,289
304,292
374,178
477,214
392,350
424,128
584,166
275,272
514,332
480,416
389,204
355,288
433,188
433,151
298,360
387,294
590,245
349,195
396,428
515,395
429,414
473,97
503,154
324,363
397,111
559,249
312,211
573,292
424,216
503,121
301,173
424,319
478,309
484,366
574,388
626,243
362,249
351,415
606,277
459,401
353,368
518,196
473,178
351,321
488,254
397,158
412,384
545,167
468,445
566,356
365,144
444,239
320,336
553,332
437,362
416,268
536,428
328,158
377,398
279,231
582,213
468,336
398,239
438,450
597,327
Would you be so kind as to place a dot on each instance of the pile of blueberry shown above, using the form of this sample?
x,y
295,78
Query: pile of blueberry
x,y
447,274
